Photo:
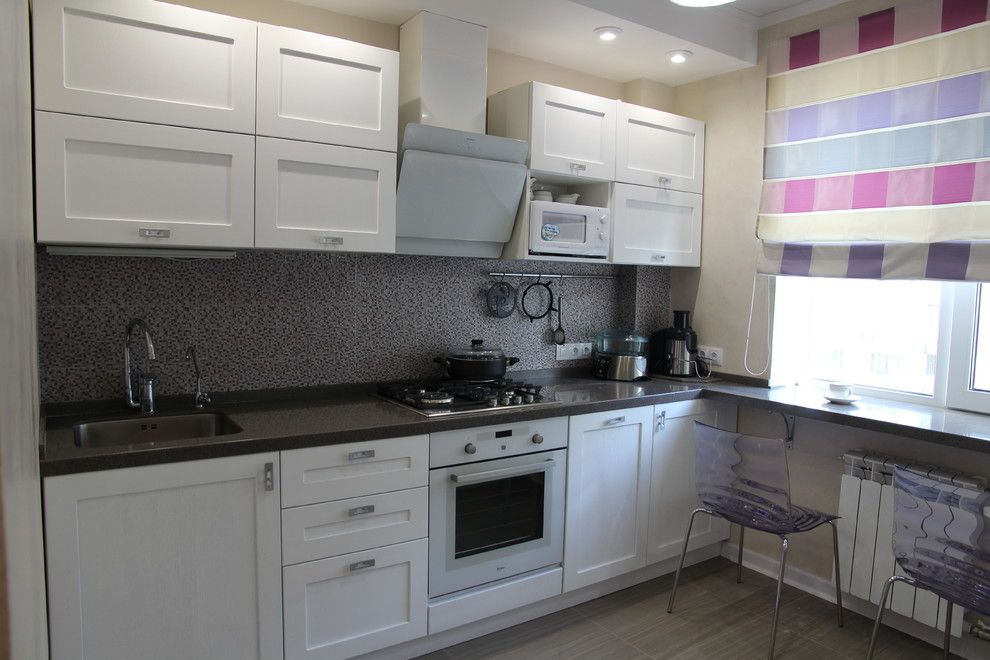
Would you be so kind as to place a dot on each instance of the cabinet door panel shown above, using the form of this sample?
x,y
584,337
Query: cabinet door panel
x,y
658,149
109,182
673,495
324,89
572,133
145,61
170,561
321,197
608,488
357,603
654,227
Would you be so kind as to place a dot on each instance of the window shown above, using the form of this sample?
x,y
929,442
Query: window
x,y
916,340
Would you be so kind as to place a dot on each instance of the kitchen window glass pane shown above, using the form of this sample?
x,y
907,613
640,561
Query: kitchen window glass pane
x,y
880,334
981,366
498,513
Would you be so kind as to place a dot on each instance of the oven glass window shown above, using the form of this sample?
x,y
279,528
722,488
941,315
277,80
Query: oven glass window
x,y
570,227
498,513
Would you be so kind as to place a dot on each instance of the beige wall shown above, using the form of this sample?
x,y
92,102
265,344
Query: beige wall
x,y
24,616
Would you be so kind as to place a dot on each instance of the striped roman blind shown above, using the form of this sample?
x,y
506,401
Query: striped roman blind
x,y
877,158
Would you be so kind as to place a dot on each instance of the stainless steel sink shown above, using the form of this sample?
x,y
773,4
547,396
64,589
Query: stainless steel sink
x,y
150,430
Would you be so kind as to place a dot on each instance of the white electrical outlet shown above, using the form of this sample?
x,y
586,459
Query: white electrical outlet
x,y
713,355
574,351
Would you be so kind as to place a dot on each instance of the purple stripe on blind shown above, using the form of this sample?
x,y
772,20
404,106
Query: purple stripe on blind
x,y
796,259
947,261
865,261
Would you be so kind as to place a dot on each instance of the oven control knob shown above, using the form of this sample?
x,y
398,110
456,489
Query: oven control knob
x,y
602,219
469,448
537,439
517,399
602,235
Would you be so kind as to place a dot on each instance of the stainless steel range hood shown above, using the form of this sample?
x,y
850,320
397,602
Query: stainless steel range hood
x,y
459,189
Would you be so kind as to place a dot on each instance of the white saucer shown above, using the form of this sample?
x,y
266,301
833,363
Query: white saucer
x,y
841,399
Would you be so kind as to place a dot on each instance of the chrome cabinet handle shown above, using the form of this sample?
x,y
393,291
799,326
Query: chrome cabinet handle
x,y
615,420
361,510
145,232
664,181
578,167
269,476
361,565
659,257
330,240
358,455
662,420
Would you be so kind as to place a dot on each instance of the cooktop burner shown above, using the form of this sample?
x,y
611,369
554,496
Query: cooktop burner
x,y
451,397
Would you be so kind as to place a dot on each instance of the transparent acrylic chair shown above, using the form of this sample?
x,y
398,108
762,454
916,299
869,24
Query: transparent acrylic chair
x,y
942,543
744,480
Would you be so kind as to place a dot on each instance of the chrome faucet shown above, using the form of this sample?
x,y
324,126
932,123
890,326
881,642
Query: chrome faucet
x,y
147,401
202,398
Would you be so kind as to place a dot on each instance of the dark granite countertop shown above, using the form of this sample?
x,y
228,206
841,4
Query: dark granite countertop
x,y
351,415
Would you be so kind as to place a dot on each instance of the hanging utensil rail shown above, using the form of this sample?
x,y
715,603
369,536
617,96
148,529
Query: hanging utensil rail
x,y
551,276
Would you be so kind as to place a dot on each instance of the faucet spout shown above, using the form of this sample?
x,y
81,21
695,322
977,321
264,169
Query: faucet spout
x,y
132,402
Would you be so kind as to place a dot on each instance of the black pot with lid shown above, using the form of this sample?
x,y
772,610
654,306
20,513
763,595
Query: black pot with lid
x,y
477,362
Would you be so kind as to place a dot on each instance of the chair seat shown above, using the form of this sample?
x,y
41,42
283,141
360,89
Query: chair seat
x,y
765,516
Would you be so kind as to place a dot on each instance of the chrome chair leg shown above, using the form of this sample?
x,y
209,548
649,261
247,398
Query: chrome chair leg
x,y
680,564
880,608
835,557
742,533
780,587
947,637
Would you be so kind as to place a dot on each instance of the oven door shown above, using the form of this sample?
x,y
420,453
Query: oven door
x,y
494,519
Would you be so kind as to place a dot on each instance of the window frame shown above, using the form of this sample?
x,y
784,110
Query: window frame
x,y
955,357
962,352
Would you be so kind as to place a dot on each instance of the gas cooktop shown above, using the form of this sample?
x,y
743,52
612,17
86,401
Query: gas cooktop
x,y
437,397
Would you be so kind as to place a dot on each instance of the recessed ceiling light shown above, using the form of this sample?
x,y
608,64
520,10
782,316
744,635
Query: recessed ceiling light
x,y
608,32
701,3
679,56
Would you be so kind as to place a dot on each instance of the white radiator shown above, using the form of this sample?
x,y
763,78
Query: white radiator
x,y
866,528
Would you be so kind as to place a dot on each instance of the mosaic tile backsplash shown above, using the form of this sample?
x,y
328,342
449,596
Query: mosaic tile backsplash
x,y
284,319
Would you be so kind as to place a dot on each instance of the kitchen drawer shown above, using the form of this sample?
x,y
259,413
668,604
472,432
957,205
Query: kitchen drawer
x,y
337,472
360,523
358,603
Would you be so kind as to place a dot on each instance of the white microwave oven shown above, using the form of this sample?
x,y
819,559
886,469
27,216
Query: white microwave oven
x,y
569,230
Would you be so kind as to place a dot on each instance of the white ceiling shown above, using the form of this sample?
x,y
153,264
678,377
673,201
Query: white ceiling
x,y
561,31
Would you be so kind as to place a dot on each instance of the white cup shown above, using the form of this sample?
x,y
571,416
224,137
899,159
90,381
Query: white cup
x,y
840,390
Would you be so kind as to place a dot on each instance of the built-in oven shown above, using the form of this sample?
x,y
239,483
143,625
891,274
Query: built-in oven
x,y
569,229
496,502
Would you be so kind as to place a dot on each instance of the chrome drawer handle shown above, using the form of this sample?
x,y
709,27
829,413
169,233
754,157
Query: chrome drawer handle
x,y
330,240
578,167
361,510
361,565
358,455
269,476
615,420
664,181
154,233
659,257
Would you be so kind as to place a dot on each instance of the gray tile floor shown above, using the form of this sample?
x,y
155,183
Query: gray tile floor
x,y
713,618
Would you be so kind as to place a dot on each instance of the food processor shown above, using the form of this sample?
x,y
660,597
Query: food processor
x,y
619,355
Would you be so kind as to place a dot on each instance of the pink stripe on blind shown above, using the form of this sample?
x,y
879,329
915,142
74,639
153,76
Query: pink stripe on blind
x,y
920,186
876,30
960,13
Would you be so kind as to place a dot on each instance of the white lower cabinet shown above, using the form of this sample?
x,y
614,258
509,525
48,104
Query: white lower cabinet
x,y
320,197
673,495
356,603
172,561
655,227
608,490
109,182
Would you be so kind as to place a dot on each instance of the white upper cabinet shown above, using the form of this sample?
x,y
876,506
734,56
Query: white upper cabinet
x,y
570,133
108,182
324,89
145,61
655,148
655,227
321,197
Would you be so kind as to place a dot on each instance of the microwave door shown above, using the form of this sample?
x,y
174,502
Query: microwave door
x,y
559,231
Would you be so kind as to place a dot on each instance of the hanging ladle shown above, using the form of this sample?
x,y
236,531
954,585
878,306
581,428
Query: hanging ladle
x,y
558,335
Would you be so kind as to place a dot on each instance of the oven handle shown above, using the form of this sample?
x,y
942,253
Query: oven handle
x,y
489,475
